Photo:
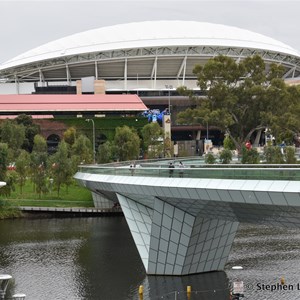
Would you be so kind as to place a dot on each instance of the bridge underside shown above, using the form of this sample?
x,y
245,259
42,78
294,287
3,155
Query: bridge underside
x,y
184,226
173,242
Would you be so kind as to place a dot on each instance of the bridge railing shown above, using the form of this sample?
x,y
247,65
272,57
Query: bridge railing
x,y
249,172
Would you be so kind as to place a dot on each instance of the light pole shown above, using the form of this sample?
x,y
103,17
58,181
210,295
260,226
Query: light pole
x,y
94,150
169,87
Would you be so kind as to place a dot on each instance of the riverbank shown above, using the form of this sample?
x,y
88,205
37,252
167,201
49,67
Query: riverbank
x,y
8,212
68,211
11,212
71,197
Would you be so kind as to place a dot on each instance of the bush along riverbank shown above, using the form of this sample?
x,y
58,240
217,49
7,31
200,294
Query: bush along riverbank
x,y
7,211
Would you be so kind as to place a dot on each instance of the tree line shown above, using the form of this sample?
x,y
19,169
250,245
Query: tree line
x,y
24,153
243,97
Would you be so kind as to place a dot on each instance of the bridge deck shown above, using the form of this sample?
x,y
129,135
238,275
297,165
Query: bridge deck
x,y
249,172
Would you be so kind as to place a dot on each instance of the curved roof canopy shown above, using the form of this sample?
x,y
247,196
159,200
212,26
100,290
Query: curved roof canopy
x,y
150,39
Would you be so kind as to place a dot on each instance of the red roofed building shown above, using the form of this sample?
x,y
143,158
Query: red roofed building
x,y
71,105
45,109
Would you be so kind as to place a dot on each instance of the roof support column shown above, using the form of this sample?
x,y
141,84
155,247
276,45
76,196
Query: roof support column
x,y
125,74
182,70
68,75
154,73
42,78
17,85
289,72
96,70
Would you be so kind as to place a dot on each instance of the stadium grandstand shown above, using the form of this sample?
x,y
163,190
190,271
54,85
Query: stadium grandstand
x,y
150,59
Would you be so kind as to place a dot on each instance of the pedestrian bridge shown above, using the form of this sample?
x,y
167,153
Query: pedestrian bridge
x,y
185,223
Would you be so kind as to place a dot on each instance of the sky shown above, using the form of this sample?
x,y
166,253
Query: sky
x,y
25,25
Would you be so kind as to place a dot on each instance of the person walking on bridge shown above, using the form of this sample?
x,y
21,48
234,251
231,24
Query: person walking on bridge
x,y
171,171
181,167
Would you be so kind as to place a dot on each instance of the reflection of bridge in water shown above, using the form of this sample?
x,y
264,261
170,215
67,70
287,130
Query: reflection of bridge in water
x,y
213,285
187,225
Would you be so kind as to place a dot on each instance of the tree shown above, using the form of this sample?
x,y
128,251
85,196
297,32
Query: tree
x,y
239,96
152,135
168,149
3,166
127,143
285,123
14,135
38,159
31,130
3,160
61,166
22,168
82,150
40,144
70,135
104,152
8,177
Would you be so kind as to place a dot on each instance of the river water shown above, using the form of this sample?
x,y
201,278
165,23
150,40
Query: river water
x,y
95,258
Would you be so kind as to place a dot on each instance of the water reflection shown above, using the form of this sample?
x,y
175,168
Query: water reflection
x,y
211,286
267,255
39,254
84,258
110,261
95,258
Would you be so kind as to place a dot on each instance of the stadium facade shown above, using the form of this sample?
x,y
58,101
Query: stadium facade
x,y
151,57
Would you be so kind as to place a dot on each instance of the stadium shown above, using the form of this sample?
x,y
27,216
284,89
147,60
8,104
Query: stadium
x,y
150,59
145,56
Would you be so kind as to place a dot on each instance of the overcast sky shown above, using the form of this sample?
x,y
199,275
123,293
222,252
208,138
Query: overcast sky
x,y
28,24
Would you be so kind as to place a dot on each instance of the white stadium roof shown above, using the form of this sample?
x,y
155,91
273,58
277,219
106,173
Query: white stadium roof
x,y
116,42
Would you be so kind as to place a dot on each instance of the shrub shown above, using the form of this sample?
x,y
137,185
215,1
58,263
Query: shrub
x,y
7,211
210,158
225,156
228,143
273,155
290,157
250,156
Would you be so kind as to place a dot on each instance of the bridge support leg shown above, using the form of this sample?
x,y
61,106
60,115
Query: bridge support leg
x,y
173,242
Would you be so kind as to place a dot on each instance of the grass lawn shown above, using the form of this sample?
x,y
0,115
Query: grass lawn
x,y
75,196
